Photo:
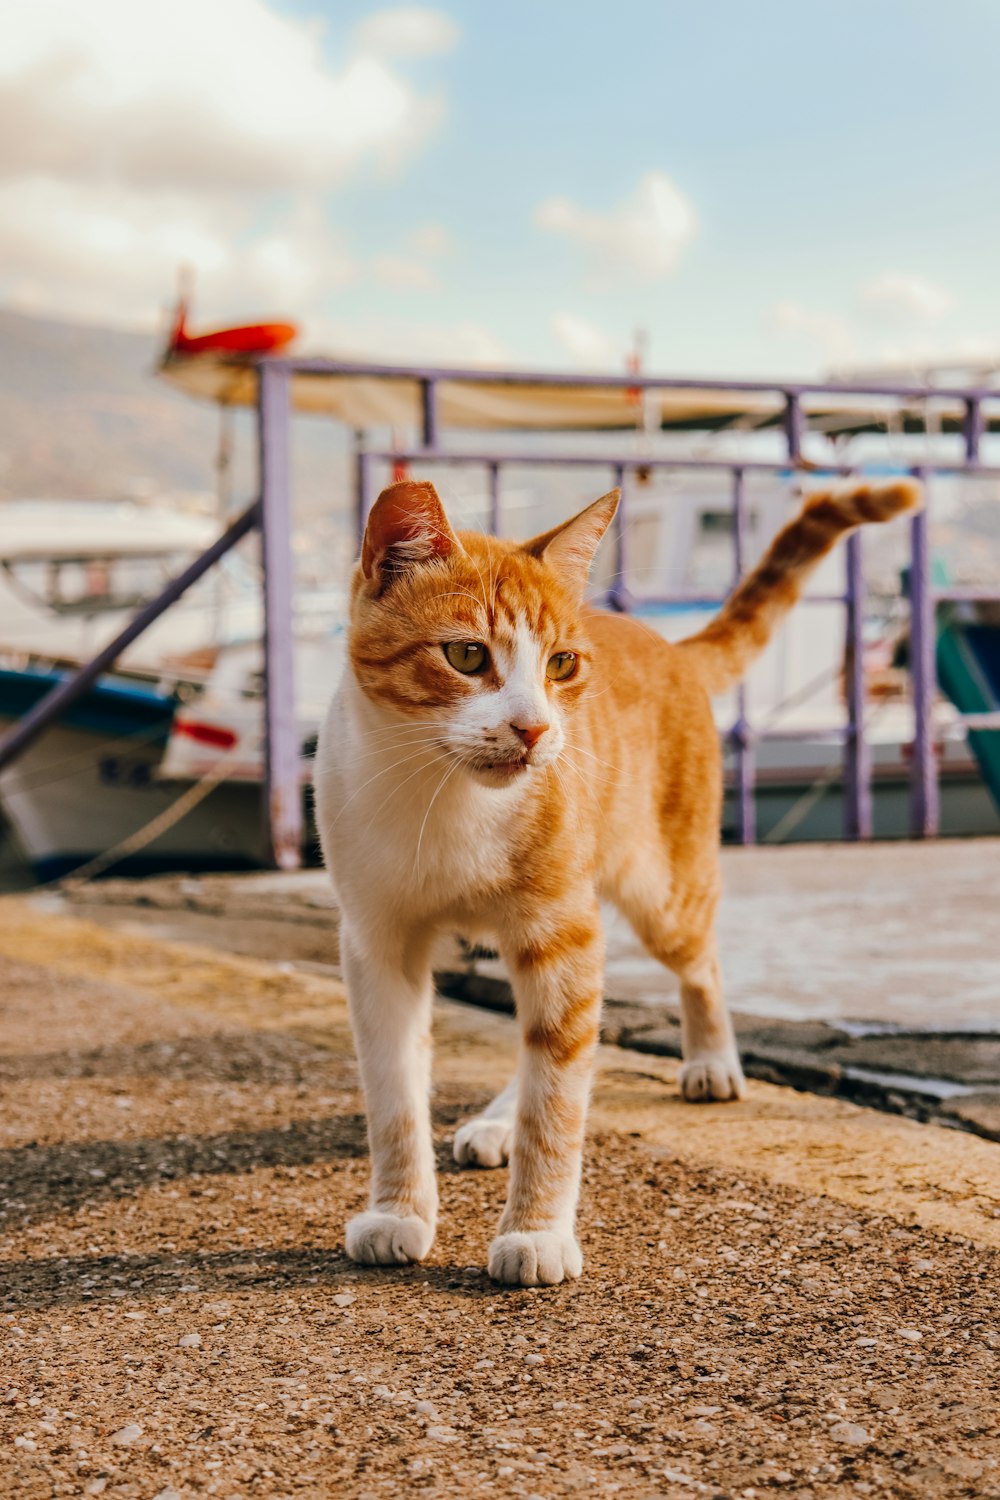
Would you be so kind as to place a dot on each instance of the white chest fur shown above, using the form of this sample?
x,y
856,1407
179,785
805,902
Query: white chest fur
x,y
402,824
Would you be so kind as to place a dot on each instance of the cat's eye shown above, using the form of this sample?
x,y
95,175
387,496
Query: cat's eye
x,y
467,656
561,666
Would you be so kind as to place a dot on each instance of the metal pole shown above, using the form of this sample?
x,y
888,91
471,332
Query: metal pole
x,y
428,404
923,786
793,426
362,494
493,471
283,792
857,753
72,688
972,429
618,595
741,734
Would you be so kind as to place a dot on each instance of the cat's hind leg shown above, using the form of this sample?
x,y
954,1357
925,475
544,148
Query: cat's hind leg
x,y
711,1067
485,1140
680,933
390,1006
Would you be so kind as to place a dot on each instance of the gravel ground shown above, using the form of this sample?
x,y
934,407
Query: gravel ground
x,y
179,1318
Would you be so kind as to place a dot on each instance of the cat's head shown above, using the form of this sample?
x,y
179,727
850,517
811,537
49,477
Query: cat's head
x,y
478,641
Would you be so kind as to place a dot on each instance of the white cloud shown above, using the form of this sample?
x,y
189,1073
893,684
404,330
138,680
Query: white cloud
x,y
207,136
464,343
403,273
849,346
228,96
829,331
432,240
645,234
898,294
584,342
112,255
407,31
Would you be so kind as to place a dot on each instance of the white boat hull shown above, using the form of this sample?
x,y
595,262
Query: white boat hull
x,y
71,798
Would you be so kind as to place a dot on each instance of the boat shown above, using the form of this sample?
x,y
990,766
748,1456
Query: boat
x,y
71,575
968,669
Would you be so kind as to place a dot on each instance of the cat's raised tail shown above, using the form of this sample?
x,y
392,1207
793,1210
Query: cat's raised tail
x,y
727,647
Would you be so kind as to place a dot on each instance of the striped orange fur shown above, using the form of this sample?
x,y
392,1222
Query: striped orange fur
x,y
577,760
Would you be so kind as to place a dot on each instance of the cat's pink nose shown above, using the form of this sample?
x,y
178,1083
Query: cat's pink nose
x,y
529,734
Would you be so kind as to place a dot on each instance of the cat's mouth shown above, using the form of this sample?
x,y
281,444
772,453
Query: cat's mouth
x,y
503,771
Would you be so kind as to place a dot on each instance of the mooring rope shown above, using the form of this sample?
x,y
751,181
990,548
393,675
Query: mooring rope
x,y
145,835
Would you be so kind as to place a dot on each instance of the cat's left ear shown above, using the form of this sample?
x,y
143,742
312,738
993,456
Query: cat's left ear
x,y
406,526
570,547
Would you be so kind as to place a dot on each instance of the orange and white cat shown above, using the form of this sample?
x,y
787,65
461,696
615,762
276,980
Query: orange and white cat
x,y
498,759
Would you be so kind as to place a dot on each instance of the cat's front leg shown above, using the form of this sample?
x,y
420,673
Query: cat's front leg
x,y
557,969
390,1003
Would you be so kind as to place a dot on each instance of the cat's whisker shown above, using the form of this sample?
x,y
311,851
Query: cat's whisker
x,y
400,723
406,741
580,750
409,745
384,772
487,601
398,788
608,688
420,836
489,558
379,743
460,594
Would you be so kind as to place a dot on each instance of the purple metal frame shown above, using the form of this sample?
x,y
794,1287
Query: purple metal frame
x,y
272,513
282,755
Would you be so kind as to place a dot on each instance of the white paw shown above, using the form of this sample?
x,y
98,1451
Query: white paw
x,y
536,1257
377,1239
714,1075
483,1143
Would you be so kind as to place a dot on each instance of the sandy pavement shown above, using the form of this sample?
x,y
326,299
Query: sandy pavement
x,y
789,1296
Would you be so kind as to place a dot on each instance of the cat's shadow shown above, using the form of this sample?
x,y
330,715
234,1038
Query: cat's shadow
x,y
96,1280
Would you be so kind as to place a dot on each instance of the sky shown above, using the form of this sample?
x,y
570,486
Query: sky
x,y
781,187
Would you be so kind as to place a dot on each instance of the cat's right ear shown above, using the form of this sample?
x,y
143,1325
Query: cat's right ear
x,y
407,526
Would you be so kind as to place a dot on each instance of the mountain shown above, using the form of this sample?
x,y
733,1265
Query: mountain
x,y
82,414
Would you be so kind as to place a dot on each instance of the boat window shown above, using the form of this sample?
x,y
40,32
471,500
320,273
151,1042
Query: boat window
x,y
722,522
710,570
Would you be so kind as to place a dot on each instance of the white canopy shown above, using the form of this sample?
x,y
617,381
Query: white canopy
x,y
365,395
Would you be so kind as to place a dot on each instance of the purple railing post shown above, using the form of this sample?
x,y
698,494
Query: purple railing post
x,y
493,471
924,816
282,785
362,494
741,734
618,595
794,426
428,412
857,753
972,429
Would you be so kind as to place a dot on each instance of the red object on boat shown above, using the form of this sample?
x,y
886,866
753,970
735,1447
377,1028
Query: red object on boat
x,y
206,734
249,338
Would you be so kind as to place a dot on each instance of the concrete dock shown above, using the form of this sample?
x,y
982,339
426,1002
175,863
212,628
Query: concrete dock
x,y
872,972
792,1295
